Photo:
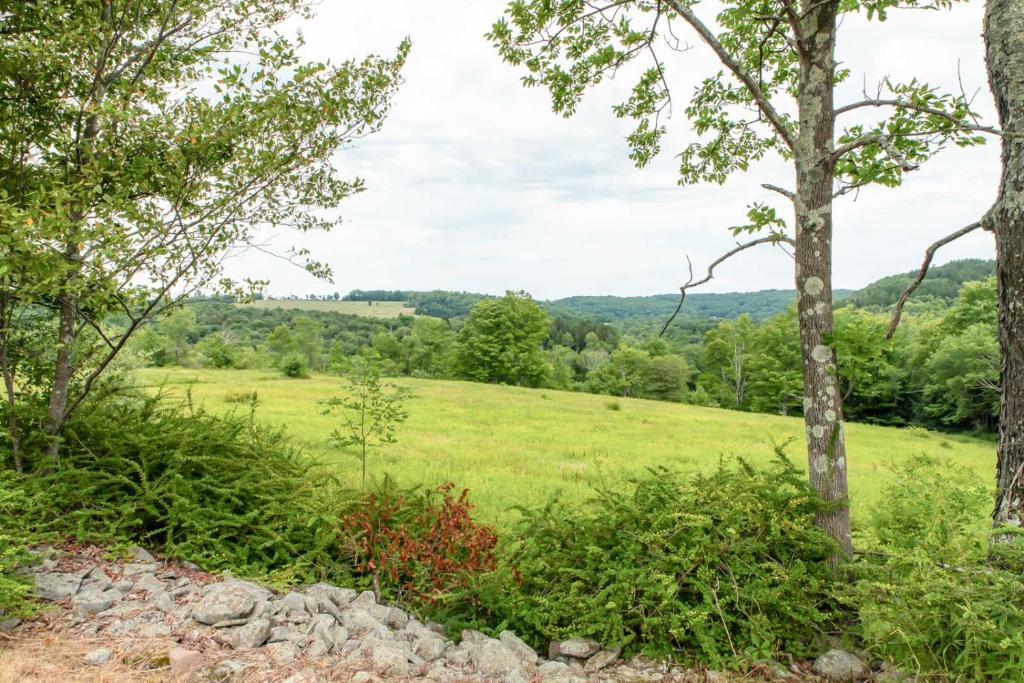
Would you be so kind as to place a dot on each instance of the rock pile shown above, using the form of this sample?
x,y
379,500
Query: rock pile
x,y
222,627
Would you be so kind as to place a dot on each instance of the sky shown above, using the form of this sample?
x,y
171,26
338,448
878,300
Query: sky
x,y
474,184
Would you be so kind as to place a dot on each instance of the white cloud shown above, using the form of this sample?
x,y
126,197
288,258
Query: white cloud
x,y
474,184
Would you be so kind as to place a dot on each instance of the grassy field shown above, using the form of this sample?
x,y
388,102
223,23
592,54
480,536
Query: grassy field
x,y
511,446
379,309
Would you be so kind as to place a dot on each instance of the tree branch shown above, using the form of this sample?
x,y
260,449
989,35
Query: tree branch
x,y
760,97
929,254
788,194
774,239
923,109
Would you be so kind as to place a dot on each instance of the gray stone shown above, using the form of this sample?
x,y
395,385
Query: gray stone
x,y
141,555
183,660
841,666
96,579
459,656
396,618
351,645
282,653
165,602
122,627
429,647
516,644
388,660
9,624
98,657
474,637
279,634
319,648
57,585
359,621
228,623
579,648
363,677
223,602
341,597
602,659
228,668
93,601
493,658
291,603
155,630
137,568
148,582
250,636
123,586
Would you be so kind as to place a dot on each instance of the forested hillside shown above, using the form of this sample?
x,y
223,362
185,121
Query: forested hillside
x,y
942,284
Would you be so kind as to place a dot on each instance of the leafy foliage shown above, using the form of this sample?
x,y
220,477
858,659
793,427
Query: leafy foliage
x,y
716,567
415,545
501,341
16,510
930,602
372,412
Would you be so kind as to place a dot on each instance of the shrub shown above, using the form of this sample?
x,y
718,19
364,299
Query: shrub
x,y
294,366
15,506
928,600
414,545
718,567
242,396
221,491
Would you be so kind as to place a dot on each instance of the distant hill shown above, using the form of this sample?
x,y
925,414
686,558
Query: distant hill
x,y
942,283
758,305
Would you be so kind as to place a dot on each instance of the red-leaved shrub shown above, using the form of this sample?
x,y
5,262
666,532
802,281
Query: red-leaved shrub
x,y
417,546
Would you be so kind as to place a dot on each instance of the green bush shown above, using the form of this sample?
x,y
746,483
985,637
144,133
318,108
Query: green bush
x,y
220,491
716,568
928,600
294,366
15,510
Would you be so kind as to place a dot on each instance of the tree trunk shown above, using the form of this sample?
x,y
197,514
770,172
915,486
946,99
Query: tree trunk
x,y
1004,38
823,410
63,371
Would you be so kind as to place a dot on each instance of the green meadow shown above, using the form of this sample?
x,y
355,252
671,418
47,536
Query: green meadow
x,y
513,446
374,309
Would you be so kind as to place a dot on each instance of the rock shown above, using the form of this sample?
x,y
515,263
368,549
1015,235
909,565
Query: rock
x,y
224,602
141,555
339,596
57,585
387,658
429,647
183,660
601,660
474,637
228,668
457,655
123,586
165,602
148,582
121,627
579,648
840,665
137,568
282,653
359,621
98,657
249,636
494,659
363,677
154,630
396,618
96,579
556,672
305,676
92,601
291,603
9,624
279,634
514,643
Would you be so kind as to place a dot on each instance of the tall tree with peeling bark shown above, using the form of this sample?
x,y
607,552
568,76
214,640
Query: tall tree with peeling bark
x,y
141,143
1004,40
775,94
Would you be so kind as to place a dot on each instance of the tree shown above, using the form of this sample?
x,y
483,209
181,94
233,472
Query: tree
x,y
373,412
776,380
502,340
727,349
138,150
962,379
178,326
779,56
308,340
1004,38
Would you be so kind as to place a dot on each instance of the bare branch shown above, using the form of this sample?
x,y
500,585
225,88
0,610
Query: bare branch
x,y
690,283
788,194
764,104
912,106
929,254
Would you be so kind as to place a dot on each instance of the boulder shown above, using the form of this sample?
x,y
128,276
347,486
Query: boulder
x,y
141,555
359,621
183,660
224,602
578,648
516,644
840,666
57,585
602,659
93,601
429,646
282,653
98,657
492,658
249,636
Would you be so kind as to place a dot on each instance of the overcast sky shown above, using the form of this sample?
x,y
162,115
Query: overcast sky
x,y
474,184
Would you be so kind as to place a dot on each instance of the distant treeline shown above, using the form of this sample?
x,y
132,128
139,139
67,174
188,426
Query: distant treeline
x,y
941,370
